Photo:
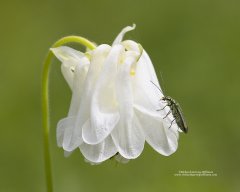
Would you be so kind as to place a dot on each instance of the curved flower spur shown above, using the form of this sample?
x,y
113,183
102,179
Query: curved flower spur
x,y
113,107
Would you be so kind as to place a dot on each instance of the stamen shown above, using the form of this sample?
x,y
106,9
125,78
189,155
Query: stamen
x,y
134,65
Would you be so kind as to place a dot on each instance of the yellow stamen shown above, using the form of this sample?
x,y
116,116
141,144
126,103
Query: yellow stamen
x,y
134,65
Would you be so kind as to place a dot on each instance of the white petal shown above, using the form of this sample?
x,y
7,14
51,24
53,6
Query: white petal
x,y
81,98
147,100
96,132
104,113
65,134
68,75
158,135
66,54
122,33
130,45
145,66
60,133
145,92
69,70
67,153
127,136
100,152
91,163
121,159
70,138
145,83
80,74
69,58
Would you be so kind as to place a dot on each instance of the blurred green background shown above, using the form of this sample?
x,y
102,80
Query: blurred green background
x,y
194,44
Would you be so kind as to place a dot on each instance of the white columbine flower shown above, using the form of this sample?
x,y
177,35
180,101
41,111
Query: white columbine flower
x,y
113,107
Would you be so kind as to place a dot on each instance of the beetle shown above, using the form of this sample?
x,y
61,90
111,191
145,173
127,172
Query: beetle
x,y
176,111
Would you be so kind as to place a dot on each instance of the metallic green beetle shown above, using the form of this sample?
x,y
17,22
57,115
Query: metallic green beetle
x,y
176,111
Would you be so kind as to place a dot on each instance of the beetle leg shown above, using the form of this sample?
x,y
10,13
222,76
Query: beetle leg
x,y
162,108
171,123
167,114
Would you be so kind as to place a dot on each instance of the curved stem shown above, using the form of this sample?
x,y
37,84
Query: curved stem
x,y
45,101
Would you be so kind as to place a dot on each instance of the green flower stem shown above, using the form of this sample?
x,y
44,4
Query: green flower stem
x,y
45,101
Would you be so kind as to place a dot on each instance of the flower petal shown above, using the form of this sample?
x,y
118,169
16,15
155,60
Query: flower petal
x,y
145,63
127,136
99,152
130,45
119,38
146,89
80,73
64,134
66,54
90,162
121,159
158,135
104,113
72,138
69,58
67,153
81,98
146,103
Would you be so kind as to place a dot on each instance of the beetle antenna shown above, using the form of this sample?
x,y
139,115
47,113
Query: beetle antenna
x,y
157,87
